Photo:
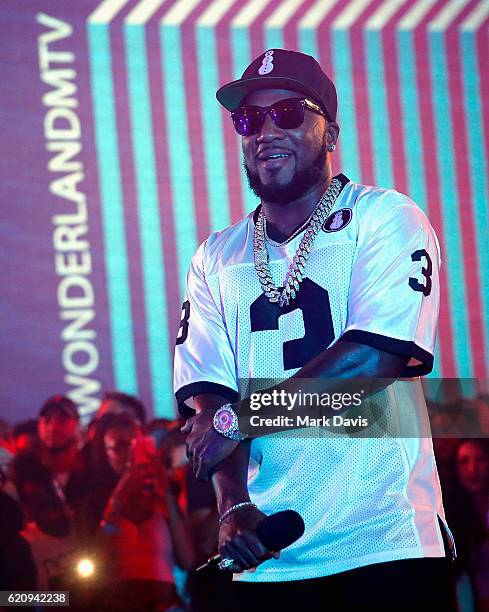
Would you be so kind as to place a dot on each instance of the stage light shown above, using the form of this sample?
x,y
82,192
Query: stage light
x,y
85,568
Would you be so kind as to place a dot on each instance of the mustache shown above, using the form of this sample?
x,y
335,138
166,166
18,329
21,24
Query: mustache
x,y
301,182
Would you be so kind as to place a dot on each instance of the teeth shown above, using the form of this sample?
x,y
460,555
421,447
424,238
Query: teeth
x,y
275,156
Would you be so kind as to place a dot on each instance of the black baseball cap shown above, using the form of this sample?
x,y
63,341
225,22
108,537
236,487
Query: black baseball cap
x,y
282,69
59,404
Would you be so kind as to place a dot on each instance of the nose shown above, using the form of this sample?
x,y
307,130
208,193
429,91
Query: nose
x,y
269,131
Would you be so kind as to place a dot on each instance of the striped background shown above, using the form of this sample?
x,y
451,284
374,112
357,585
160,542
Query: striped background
x,y
413,84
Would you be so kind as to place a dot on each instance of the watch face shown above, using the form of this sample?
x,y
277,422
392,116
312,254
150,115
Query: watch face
x,y
225,420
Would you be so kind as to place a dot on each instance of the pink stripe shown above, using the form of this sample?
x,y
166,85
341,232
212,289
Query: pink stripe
x,y
430,164
465,195
170,261
290,29
232,149
91,186
482,42
362,105
394,110
195,135
325,51
256,31
128,187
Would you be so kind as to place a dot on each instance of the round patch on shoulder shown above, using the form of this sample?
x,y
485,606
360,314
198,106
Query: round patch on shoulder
x,y
337,220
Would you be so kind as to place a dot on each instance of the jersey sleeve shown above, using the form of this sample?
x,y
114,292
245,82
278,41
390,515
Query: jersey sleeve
x,y
204,359
394,292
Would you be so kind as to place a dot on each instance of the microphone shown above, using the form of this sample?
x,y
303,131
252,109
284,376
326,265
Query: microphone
x,y
275,532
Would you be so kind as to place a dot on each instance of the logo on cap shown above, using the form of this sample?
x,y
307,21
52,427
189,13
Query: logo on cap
x,y
267,63
337,220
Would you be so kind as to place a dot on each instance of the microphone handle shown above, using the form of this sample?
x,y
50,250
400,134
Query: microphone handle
x,y
270,537
210,563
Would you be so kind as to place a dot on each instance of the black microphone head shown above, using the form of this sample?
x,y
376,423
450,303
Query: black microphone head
x,y
281,529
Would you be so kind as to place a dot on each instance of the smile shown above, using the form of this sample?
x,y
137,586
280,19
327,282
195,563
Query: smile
x,y
273,160
272,154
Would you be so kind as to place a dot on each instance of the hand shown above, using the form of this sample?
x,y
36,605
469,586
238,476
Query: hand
x,y
135,480
238,540
205,447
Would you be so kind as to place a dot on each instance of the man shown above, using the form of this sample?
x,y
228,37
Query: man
x,y
49,483
116,402
327,279
50,476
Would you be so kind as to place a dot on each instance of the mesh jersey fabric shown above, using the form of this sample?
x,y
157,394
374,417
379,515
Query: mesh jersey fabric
x,y
372,277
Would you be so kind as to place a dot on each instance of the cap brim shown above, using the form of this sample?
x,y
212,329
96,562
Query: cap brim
x,y
230,95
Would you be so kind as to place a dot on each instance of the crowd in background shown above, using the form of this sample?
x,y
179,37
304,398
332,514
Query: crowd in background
x,y
111,512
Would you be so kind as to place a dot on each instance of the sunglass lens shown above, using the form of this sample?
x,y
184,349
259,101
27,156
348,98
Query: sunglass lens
x,y
288,114
247,120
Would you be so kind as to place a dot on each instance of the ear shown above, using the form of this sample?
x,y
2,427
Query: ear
x,y
332,132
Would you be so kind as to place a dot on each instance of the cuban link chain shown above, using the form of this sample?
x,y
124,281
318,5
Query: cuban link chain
x,y
295,273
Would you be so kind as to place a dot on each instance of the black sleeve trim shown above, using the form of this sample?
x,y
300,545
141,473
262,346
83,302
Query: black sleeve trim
x,y
202,387
406,348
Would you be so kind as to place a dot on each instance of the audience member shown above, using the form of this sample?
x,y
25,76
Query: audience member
x,y
473,474
49,486
467,506
141,511
116,401
25,437
106,456
143,529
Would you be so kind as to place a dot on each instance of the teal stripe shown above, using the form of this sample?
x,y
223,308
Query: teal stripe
x,y
413,140
379,116
308,42
344,86
241,57
411,120
478,169
274,38
149,221
216,177
118,289
240,48
449,202
469,388
178,148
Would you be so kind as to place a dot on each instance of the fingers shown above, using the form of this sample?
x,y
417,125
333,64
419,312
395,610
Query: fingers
x,y
246,551
242,556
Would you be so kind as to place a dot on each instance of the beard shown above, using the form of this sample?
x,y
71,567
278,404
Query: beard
x,y
301,182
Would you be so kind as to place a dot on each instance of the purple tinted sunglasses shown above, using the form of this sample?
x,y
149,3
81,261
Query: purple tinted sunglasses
x,y
287,114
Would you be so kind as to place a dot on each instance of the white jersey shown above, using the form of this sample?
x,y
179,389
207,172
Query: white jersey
x,y
371,278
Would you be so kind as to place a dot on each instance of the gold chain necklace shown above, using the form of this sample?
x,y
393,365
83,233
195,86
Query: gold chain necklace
x,y
295,273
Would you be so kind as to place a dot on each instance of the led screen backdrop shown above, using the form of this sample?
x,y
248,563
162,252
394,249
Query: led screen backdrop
x,y
117,161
